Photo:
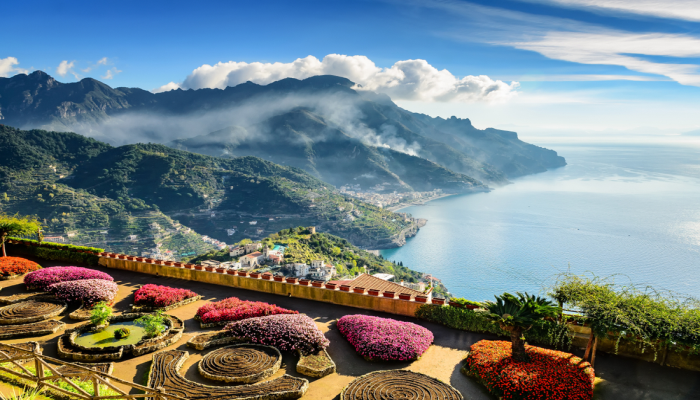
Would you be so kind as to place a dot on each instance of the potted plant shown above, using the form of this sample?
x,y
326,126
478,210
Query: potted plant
x,y
267,276
304,282
318,284
139,259
209,269
242,273
122,257
177,264
292,280
373,292
221,270
389,294
198,267
231,272
422,299
255,275
169,263
404,296
359,290
344,288
438,301
189,266
279,278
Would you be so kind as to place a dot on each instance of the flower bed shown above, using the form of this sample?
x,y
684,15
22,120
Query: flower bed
x,y
235,309
43,278
385,339
286,332
89,291
550,374
13,266
151,295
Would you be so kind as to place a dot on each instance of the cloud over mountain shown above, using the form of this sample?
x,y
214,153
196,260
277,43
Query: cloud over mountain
x,y
7,67
405,80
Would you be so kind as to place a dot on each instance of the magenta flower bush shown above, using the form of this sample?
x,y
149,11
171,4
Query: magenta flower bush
x,y
384,338
161,296
286,332
89,291
235,309
43,278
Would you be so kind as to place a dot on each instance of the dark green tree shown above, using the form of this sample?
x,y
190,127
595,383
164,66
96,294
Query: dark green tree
x,y
517,314
18,226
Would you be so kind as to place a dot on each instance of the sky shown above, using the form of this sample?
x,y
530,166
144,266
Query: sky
x,y
560,67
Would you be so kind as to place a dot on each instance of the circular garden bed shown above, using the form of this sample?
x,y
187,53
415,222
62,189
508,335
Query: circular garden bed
x,y
398,384
241,363
30,311
550,374
43,278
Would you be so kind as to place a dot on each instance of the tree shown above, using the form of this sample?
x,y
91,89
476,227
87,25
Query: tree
x,y
517,315
18,226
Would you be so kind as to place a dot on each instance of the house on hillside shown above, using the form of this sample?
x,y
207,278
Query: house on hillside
x,y
252,259
237,251
300,269
251,247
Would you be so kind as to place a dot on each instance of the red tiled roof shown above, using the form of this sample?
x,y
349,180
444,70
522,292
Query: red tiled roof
x,y
371,282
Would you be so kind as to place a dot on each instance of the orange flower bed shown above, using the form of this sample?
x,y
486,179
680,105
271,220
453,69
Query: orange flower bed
x,y
550,374
16,266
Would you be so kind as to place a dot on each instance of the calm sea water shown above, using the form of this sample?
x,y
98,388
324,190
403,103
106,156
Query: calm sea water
x,y
631,210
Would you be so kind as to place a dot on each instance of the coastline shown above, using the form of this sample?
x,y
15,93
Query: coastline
x,y
399,206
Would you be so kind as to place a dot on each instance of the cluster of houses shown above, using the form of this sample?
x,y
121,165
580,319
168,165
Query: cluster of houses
x,y
218,244
386,199
318,270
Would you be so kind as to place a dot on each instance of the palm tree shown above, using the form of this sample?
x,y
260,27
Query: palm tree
x,y
517,314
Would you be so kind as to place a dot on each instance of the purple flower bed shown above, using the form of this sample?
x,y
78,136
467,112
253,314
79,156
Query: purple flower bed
x,y
43,278
89,291
287,332
384,338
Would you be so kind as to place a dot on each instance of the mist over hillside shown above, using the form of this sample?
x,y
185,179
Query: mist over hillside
x,y
322,124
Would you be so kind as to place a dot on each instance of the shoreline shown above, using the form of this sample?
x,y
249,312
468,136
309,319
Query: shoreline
x,y
399,206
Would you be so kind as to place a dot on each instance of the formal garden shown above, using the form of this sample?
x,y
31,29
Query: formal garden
x,y
240,345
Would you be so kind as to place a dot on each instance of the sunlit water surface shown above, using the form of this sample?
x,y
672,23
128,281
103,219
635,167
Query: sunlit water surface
x,y
632,210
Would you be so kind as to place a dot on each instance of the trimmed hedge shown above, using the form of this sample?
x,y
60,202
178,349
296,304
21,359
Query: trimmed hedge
x,y
55,255
11,266
57,246
544,333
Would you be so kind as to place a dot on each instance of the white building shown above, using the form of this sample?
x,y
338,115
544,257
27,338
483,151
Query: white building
x,y
237,251
300,269
251,247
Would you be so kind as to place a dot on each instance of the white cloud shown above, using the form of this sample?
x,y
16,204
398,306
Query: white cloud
x,y
166,88
7,67
676,9
588,78
65,67
101,61
111,73
407,80
614,47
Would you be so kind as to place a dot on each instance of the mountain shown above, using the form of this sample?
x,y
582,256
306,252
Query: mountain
x,y
322,124
78,184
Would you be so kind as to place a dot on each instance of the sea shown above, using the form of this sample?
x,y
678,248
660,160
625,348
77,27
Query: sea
x,y
627,213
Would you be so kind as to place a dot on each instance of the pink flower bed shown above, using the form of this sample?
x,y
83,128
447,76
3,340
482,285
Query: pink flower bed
x,y
43,278
286,332
89,291
161,296
384,338
234,309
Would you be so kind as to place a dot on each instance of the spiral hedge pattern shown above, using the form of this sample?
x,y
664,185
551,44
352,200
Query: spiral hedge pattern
x,y
164,374
244,363
30,311
398,384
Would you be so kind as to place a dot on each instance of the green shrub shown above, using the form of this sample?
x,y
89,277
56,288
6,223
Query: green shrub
x,y
58,246
100,313
56,255
465,302
543,333
153,324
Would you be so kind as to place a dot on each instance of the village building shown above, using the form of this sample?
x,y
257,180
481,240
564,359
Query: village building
x,y
252,259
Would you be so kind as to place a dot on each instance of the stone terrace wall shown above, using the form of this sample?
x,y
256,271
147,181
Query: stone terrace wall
x,y
335,296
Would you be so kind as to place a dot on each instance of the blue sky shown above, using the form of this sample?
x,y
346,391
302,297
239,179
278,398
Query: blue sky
x,y
550,66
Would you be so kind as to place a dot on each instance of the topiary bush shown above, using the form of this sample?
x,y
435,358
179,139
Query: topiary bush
x,y
161,296
89,291
549,375
10,266
43,278
385,339
286,332
235,309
